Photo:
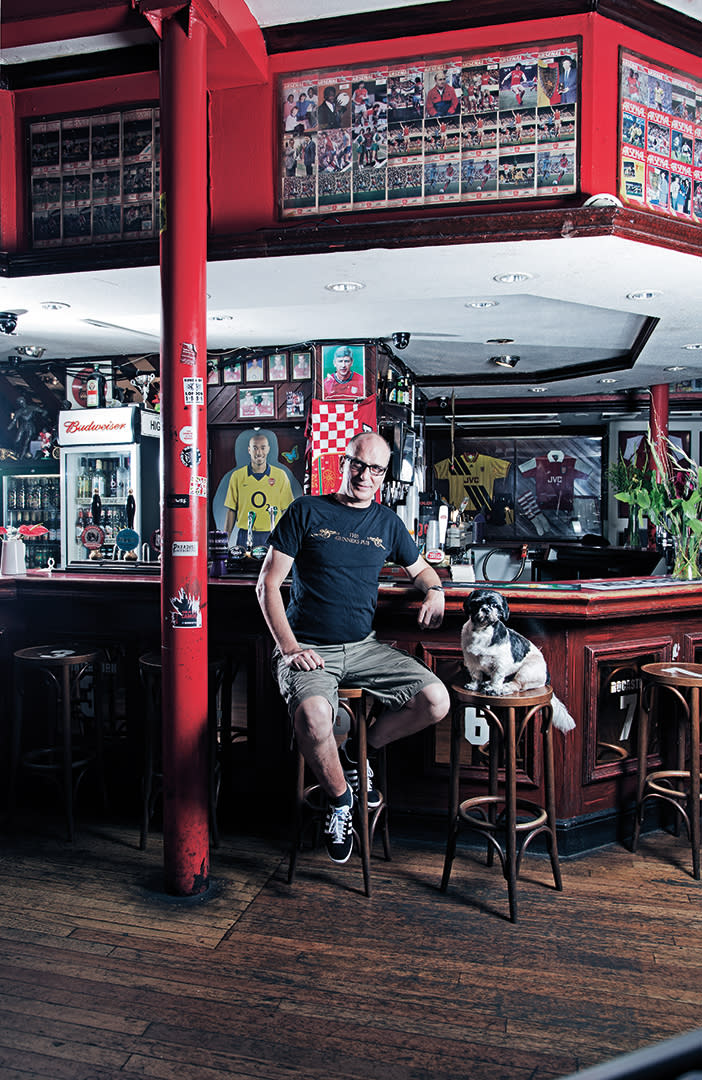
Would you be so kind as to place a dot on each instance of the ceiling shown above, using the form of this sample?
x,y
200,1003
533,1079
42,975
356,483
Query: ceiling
x,y
575,311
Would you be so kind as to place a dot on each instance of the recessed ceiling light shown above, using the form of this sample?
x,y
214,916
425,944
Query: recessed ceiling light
x,y
505,361
54,305
344,286
607,380
675,367
538,389
693,345
513,278
35,351
643,294
482,303
500,341
220,318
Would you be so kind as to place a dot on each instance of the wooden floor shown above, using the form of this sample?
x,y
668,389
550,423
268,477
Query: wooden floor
x,y
101,976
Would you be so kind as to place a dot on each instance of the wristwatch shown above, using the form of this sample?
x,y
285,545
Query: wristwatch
x,y
438,588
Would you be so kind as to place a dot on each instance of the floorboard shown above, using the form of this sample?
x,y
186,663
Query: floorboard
x,y
104,977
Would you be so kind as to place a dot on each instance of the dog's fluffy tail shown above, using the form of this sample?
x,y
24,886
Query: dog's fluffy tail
x,y
561,717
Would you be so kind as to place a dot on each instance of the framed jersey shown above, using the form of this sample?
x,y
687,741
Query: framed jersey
x,y
547,488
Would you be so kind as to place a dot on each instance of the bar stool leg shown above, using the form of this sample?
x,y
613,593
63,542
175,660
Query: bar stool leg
x,y
17,720
694,804
550,786
299,812
493,777
642,762
67,754
511,810
362,741
454,783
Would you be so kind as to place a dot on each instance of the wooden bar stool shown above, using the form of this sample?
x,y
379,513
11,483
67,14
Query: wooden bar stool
x,y
519,820
678,787
311,802
69,750
219,670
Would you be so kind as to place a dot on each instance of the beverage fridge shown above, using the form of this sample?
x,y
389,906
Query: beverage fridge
x,y
110,483
31,496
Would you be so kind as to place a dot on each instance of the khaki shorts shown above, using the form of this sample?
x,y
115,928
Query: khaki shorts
x,y
392,676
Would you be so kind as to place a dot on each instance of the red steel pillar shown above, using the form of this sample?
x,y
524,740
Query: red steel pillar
x,y
184,426
658,426
659,417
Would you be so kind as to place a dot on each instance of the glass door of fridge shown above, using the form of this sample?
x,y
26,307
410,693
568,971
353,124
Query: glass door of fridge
x,y
32,499
96,481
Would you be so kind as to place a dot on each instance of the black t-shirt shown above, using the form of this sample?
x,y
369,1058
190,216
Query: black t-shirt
x,y
339,552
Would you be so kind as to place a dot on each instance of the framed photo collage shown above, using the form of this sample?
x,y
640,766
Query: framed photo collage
x,y
267,385
94,178
468,128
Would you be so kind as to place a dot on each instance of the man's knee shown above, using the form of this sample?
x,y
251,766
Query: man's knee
x,y
435,702
313,719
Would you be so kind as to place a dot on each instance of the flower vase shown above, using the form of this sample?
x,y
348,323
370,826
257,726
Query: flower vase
x,y
12,559
633,532
686,557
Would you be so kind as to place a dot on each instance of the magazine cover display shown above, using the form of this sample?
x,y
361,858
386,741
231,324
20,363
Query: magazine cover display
x,y
420,132
660,138
94,178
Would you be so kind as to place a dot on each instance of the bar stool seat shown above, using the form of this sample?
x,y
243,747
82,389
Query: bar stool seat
x,y
69,749
678,787
311,801
508,823
219,668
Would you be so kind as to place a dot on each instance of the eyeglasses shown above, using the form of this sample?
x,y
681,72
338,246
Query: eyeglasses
x,y
358,466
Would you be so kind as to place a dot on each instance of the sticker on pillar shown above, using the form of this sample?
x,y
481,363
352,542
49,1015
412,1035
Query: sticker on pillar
x,y
194,391
188,353
176,501
198,486
475,726
184,547
190,456
185,611
186,435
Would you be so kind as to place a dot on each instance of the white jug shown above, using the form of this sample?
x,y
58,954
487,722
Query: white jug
x,y
12,560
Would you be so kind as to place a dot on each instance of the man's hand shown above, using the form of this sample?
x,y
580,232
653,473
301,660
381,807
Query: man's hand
x,y
431,613
303,660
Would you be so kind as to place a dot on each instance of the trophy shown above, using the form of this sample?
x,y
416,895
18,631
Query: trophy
x,y
143,382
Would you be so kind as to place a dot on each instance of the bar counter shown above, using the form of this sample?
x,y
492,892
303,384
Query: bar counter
x,y
595,637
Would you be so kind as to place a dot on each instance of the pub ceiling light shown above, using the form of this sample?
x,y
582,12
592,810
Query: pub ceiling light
x,y
54,305
676,367
500,341
607,380
35,351
513,278
482,303
505,361
538,389
344,286
643,294
220,318
693,345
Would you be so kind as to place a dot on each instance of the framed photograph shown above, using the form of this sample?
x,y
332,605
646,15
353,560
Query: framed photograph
x,y
343,372
278,367
232,371
254,369
301,365
213,372
254,401
294,405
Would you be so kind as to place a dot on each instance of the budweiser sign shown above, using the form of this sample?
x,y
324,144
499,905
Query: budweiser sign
x,y
90,427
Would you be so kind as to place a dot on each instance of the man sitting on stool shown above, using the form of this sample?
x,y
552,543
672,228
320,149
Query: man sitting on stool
x,y
336,546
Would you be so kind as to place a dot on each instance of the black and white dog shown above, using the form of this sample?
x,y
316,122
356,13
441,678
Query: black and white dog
x,y
499,660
